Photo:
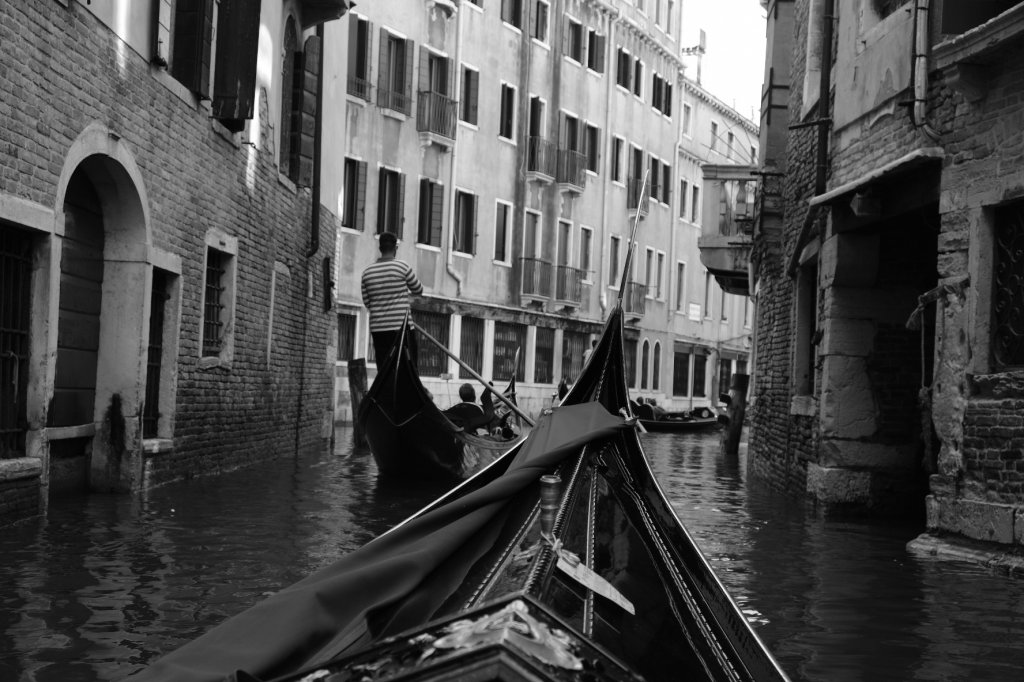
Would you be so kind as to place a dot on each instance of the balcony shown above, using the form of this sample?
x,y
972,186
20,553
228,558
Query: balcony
x,y
727,225
569,286
359,87
634,300
535,280
437,118
634,202
571,172
541,160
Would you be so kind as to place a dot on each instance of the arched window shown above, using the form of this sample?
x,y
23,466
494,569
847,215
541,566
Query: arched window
x,y
287,87
645,363
656,369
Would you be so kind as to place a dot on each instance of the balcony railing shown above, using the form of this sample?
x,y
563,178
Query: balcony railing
x,y
541,157
634,299
437,114
394,100
536,277
634,187
572,167
569,284
359,87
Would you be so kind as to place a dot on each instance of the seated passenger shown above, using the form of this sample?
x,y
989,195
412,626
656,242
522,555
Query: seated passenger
x,y
468,414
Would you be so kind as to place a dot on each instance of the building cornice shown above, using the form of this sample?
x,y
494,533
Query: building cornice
x,y
717,104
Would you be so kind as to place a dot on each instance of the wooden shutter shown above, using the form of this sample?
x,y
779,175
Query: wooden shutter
x,y
407,104
436,214
668,98
473,87
666,183
382,204
360,195
383,87
424,69
400,206
472,217
304,96
193,41
423,217
600,59
234,87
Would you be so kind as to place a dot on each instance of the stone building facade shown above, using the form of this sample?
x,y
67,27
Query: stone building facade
x,y
886,261
162,245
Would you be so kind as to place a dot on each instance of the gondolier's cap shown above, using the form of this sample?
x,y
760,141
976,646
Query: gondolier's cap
x,y
388,241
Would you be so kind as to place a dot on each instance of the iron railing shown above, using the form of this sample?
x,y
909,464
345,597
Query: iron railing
x,y
569,284
359,87
572,168
394,100
536,277
634,299
437,114
541,157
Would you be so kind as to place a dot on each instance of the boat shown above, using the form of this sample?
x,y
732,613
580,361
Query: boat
x,y
409,435
660,421
561,560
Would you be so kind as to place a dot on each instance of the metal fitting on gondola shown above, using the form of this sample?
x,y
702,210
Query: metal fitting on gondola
x,y
550,498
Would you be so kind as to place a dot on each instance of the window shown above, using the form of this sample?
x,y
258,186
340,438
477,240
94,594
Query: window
x,y
540,22
638,78
506,126
359,57
574,345
193,45
656,92
623,69
434,72
655,179
464,234
724,315
681,373
431,213
753,154
502,222
586,239
509,341
687,120
432,361
394,82
724,375
729,139
613,261
512,12
680,286
593,147
287,92
471,346
346,336
573,45
700,371
748,312
805,350
470,88
656,367
708,294
649,272
595,51
695,205
544,358
390,200
617,145
682,198
1007,288
645,362
629,351
666,184
353,212
660,273
531,235
217,334
714,136
298,110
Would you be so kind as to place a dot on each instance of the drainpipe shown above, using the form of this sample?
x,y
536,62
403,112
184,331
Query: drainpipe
x,y
602,295
919,112
449,264
824,95
318,134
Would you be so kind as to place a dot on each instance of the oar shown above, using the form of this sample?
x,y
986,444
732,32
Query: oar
x,y
512,406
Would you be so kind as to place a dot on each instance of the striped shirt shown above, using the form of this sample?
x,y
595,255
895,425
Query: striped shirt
x,y
386,287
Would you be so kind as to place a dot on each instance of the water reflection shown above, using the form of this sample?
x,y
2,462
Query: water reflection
x,y
108,583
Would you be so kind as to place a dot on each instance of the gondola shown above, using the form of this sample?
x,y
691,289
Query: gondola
x,y
700,419
561,560
409,436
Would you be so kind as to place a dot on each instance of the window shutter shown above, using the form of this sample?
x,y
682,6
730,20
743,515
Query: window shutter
x,y
601,42
424,69
383,94
472,87
472,225
400,207
668,98
436,214
382,203
234,88
304,100
449,84
423,217
353,46
360,195
566,43
193,42
409,48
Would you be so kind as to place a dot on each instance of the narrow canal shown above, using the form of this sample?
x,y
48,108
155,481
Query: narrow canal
x,y
106,583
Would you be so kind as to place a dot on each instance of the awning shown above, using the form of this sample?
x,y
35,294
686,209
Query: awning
x,y
318,11
904,163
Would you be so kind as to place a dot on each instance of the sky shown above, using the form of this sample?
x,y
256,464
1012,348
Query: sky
x,y
732,68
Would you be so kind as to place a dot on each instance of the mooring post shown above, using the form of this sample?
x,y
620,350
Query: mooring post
x,y
357,390
736,409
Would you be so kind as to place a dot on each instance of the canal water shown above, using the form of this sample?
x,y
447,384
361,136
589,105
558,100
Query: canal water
x,y
107,583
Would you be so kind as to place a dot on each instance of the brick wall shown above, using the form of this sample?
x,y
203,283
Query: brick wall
x,y
62,70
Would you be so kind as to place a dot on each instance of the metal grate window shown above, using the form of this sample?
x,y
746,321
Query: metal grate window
x,y
681,374
544,369
15,299
700,368
154,355
471,345
213,306
432,361
630,351
508,338
1008,288
346,336
574,345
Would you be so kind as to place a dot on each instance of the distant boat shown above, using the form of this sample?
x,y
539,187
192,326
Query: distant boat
x,y
562,560
700,419
409,435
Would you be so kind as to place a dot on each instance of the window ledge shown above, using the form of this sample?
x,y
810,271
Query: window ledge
x,y
157,446
285,181
428,247
462,254
208,363
225,134
66,432
391,113
20,468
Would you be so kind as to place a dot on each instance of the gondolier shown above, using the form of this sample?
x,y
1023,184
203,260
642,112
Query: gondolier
x,y
386,287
